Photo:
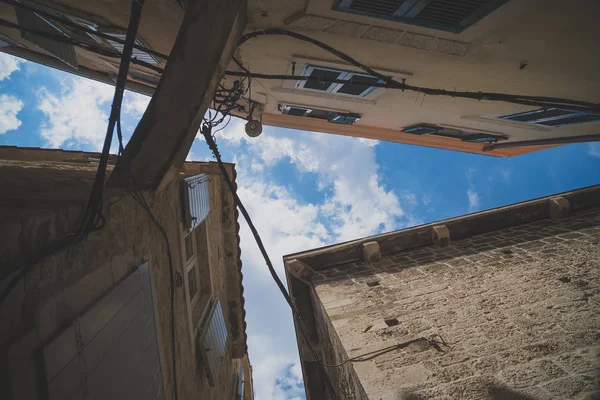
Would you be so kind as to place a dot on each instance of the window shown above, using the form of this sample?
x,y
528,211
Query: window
x,y
191,269
359,85
553,117
196,273
423,129
239,383
473,137
212,339
65,52
137,53
448,15
331,116
196,200
62,51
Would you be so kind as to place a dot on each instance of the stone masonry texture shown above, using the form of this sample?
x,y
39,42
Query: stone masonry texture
x,y
519,310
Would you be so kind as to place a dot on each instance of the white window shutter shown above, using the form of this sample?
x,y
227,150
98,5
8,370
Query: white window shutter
x,y
196,201
211,341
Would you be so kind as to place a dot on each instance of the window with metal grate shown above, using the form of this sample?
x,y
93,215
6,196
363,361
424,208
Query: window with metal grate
x,y
553,117
449,15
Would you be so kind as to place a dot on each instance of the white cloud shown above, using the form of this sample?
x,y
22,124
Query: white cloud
x,y
8,65
9,108
410,198
359,204
594,150
474,201
135,104
352,203
76,114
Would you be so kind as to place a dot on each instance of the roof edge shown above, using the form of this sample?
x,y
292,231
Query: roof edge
x,y
460,227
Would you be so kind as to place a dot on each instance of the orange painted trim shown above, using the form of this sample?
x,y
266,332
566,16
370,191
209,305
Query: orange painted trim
x,y
390,135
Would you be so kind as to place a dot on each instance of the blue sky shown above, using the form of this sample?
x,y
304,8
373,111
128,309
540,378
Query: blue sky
x,y
303,189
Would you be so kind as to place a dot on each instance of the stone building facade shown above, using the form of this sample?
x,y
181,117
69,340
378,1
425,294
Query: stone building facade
x,y
95,319
502,304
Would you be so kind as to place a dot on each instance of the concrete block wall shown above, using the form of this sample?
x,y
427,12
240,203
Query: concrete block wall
x,y
518,309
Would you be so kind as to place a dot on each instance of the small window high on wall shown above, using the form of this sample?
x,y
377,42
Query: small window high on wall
x,y
448,15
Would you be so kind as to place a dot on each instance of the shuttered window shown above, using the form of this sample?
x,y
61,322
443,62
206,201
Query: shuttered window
x,y
63,51
137,53
196,202
553,117
110,351
472,137
239,386
212,339
448,15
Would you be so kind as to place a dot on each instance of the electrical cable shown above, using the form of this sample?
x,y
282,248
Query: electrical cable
x,y
89,47
390,83
206,131
93,218
376,353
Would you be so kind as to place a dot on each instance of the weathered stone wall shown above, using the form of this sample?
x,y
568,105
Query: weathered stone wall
x,y
519,309
343,378
61,287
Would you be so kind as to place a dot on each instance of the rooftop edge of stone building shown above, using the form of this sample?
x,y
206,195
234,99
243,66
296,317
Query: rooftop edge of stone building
x,y
499,304
440,232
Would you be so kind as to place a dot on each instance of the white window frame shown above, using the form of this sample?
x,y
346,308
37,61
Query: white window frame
x,y
334,87
299,65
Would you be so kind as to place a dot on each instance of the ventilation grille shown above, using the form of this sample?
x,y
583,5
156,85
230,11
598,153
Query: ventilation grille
x,y
137,54
450,15
196,201
449,12
554,117
380,7
211,341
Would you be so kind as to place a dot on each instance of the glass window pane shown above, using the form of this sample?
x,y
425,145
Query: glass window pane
x,y
359,84
189,246
192,283
323,74
297,111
